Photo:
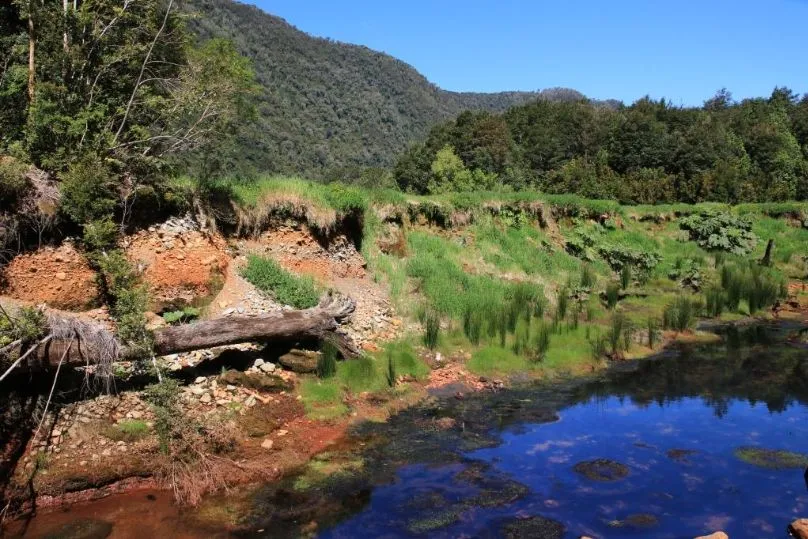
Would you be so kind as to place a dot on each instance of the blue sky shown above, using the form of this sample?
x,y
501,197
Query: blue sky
x,y
683,51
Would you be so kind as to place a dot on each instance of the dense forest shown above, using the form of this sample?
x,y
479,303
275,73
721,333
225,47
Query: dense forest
x,y
649,152
330,109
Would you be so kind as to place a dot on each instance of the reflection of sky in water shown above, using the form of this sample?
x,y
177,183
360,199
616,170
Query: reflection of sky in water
x,y
701,492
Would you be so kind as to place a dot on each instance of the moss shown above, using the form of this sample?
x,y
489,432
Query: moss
x,y
773,459
602,470
435,521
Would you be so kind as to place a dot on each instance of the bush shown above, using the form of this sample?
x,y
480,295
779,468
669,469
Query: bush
x,y
542,342
12,180
687,271
181,317
101,234
760,287
88,191
720,231
286,288
562,303
715,301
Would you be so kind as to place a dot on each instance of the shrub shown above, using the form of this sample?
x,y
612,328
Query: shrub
x,y
715,301
12,180
760,287
619,334
681,314
327,362
720,231
88,191
286,288
687,271
618,256
101,234
431,330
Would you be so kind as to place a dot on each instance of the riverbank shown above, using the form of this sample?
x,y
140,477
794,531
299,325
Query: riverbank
x,y
451,301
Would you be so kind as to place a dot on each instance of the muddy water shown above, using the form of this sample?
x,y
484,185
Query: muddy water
x,y
704,439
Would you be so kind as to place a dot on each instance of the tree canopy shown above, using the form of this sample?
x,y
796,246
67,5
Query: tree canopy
x,y
648,152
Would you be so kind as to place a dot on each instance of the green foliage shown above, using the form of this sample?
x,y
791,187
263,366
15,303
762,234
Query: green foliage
x,y
12,180
715,301
760,287
406,361
183,316
127,430
652,328
128,300
541,343
88,191
619,334
588,277
681,314
28,324
688,272
391,371
612,295
164,400
431,330
562,303
101,234
286,288
327,362
360,374
720,231
625,277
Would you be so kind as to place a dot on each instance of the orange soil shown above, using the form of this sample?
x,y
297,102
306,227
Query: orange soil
x,y
181,269
59,277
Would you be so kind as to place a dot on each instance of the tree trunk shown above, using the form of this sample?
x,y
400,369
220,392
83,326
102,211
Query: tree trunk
x,y
318,323
31,51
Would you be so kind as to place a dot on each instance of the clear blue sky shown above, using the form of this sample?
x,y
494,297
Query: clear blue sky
x,y
683,50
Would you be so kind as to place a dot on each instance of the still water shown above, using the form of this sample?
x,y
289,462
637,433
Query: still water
x,y
705,438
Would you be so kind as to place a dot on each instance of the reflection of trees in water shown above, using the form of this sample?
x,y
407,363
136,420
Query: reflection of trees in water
x,y
774,374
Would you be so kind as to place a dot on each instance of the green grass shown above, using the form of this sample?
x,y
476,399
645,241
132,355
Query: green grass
x,y
285,287
495,360
323,398
127,430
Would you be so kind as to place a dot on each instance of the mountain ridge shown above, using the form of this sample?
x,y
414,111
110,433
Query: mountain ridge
x,y
330,105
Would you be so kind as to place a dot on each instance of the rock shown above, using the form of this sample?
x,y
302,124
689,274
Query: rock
x,y
196,390
255,380
250,402
602,470
267,444
300,361
205,398
445,423
283,432
799,528
106,452
267,368
258,362
200,380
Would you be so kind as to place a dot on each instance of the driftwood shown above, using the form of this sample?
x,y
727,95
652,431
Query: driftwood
x,y
79,343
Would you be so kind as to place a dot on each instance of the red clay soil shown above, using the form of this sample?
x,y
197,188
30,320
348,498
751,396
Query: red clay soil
x,y
59,277
179,270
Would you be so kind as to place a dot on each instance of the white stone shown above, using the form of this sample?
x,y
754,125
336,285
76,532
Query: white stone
x,y
267,444
200,380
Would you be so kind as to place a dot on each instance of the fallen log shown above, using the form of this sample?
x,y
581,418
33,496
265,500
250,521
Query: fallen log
x,y
81,343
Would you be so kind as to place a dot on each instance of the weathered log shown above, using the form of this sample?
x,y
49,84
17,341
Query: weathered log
x,y
94,345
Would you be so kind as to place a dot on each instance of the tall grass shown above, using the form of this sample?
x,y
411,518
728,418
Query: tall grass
x,y
760,287
681,314
327,362
431,330
612,295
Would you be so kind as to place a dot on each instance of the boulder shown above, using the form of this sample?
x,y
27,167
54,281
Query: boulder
x,y
799,528
300,361
255,380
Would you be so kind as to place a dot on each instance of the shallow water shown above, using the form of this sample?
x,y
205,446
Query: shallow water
x,y
669,429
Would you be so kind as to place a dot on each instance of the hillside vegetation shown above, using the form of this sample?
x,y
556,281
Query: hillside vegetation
x,y
329,109
649,152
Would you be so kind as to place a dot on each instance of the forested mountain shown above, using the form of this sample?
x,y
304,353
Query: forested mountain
x,y
328,105
649,152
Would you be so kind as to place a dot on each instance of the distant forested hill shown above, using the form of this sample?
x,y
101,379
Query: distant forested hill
x,y
330,105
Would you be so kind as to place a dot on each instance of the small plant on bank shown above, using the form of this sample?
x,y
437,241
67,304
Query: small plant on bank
x,y
327,362
625,277
286,288
587,276
541,343
431,330
391,370
619,334
612,295
681,314
715,300
183,316
128,430
652,326
562,303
